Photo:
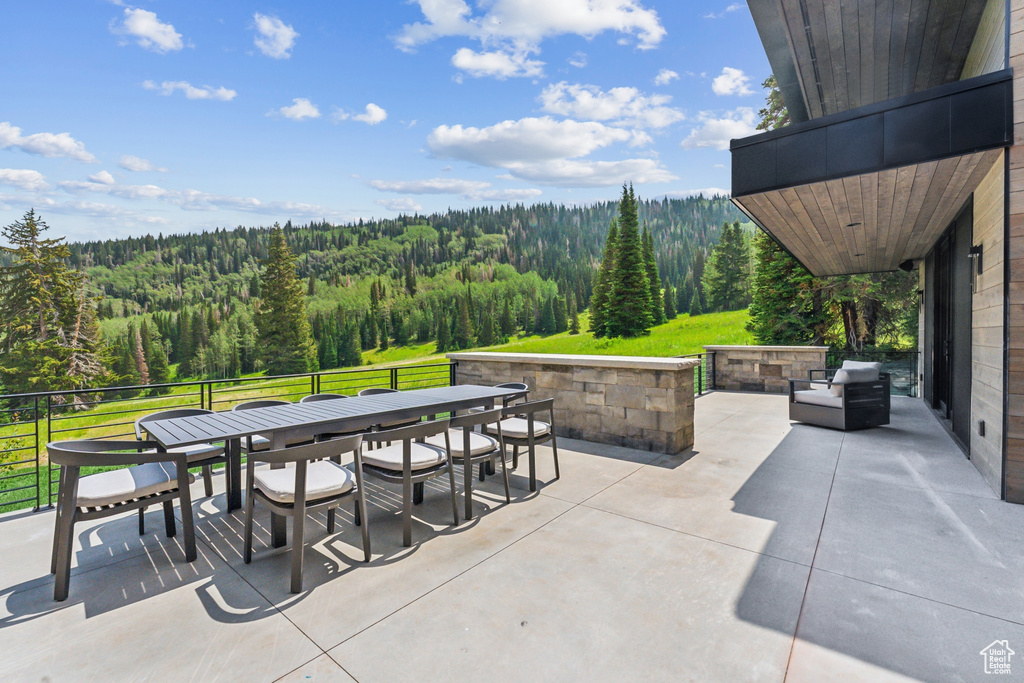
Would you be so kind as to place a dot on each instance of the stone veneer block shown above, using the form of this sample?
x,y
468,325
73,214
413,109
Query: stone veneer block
x,y
763,368
636,402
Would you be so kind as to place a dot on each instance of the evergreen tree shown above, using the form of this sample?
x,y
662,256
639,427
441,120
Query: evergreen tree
x,y
138,354
48,336
683,295
669,302
384,333
783,308
349,353
651,266
574,316
603,286
727,273
183,349
488,327
546,325
629,302
311,286
561,315
285,341
410,279
444,340
508,326
695,308
463,338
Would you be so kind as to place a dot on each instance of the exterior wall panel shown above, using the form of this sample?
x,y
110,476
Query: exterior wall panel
x,y
1015,283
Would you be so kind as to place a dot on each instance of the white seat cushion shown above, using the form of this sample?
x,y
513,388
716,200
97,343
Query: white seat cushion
x,y
324,479
518,428
390,457
478,443
129,483
819,385
818,397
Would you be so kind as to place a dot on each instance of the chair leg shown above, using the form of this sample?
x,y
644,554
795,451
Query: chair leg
x,y
504,476
330,521
483,471
298,544
208,480
361,512
467,477
554,449
249,501
169,519
187,520
451,484
533,466
66,539
406,510
358,513
417,493
515,457
142,521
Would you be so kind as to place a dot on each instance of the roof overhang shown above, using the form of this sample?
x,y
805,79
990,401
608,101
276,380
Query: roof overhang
x,y
865,190
834,56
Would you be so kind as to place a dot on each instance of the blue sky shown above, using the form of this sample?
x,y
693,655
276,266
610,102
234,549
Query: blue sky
x,y
171,117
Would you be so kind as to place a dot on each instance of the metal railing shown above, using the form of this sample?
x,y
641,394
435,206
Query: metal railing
x,y
703,374
29,421
902,367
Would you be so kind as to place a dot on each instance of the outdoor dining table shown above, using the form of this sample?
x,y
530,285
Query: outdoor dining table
x,y
307,420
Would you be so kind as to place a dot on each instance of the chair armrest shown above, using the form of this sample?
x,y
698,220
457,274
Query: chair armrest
x,y
109,453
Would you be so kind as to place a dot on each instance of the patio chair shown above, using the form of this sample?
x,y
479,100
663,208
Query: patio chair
x,y
474,447
411,463
147,477
315,398
855,396
508,400
521,428
306,479
377,391
258,442
203,454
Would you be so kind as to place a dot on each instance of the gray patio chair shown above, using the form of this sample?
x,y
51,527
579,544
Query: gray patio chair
x,y
316,398
846,398
377,391
474,447
307,479
203,454
521,428
508,400
411,463
150,478
259,442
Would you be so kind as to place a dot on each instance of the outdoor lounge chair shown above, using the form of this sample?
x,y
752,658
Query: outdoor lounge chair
x,y
855,396
520,428
151,478
307,479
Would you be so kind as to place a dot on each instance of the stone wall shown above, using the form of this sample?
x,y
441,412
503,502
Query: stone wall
x,y
763,368
626,401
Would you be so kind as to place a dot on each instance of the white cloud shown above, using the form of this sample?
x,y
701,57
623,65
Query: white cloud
x,y
401,204
148,31
138,164
716,133
475,190
43,144
732,82
528,22
23,178
665,76
103,177
499,64
578,60
527,140
728,10
372,115
273,37
108,212
192,92
572,173
301,109
626,106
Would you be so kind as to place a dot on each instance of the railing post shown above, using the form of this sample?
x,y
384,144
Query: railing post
x,y
49,467
712,381
700,375
453,373
35,423
312,383
394,378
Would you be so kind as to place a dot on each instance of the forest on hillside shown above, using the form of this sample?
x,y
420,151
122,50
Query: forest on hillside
x,y
460,278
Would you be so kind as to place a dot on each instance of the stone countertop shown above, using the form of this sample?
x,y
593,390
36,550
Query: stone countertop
x,y
624,362
765,348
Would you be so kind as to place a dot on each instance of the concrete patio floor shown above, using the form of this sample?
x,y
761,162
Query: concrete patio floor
x,y
772,551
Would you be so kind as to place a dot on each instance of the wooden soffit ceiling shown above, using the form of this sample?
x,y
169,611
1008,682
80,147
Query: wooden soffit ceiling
x,y
830,56
871,222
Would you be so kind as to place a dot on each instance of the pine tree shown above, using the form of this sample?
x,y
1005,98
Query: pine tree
x,y
546,325
138,354
349,353
410,279
488,327
311,286
695,307
651,266
602,288
48,338
726,278
629,302
561,315
574,316
285,341
508,325
155,356
444,341
464,329
782,306
669,302
683,295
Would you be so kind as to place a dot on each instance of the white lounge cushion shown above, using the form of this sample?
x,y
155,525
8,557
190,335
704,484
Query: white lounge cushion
x,y
819,385
478,443
518,428
848,376
863,365
390,457
128,483
324,479
818,397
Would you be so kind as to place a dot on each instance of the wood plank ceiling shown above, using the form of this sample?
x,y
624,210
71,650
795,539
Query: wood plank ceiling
x,y
851,53
872,222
